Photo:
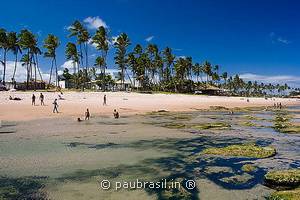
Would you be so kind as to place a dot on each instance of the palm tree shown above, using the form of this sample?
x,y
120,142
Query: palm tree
x,y
28,42
168,58
152,51
14,46
35,52
224,77
121,56
51,43
101,40
197,69
5,46
207,70
100,63
72,54
76,30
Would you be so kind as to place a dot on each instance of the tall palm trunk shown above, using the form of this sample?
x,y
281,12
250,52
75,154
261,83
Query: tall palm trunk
x,y
56,72
52,62
35,70
4,65
15,69
28,71
37,66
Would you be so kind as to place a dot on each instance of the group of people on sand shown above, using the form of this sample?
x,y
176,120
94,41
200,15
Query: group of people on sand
x,y
278,105
41,99
87,112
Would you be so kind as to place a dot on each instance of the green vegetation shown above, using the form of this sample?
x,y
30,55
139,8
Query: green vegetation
x,y
215,125
248,168
285,195
242,150
174,125
282,123
289,178
151,68
176,192
251,124
237,179
21,188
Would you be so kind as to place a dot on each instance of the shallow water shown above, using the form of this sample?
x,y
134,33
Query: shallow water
x,y
65,159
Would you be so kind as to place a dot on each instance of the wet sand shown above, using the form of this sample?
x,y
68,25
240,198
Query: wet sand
x,y
75,156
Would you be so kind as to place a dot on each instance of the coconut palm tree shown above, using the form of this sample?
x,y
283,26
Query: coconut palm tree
x,y
121,55
224,77
72,54
76,30
28,42
5,46
51,43
35,52
168,59
14,46
207,69
100,39
152,51
197,69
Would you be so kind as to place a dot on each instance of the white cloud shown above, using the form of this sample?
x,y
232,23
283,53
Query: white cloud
x,y
94,22
281,79
69,65
21,72
284,41
278,39
150,38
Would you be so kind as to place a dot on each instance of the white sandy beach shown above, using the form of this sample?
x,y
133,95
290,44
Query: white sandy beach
x,y
76,103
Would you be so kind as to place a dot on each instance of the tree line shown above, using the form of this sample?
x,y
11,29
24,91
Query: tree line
x,y
147,68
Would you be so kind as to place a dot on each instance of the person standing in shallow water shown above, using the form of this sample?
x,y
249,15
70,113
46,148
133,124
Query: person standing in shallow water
x,y
116,114
33,100
42,99
104,100
87,114
55,104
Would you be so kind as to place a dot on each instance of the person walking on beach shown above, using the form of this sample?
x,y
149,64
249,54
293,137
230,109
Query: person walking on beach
x,y
116,114
42,99
55,104
87,114
33,100
104,100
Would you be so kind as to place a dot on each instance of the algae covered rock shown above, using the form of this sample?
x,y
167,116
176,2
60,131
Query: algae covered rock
x,y
216,125
242,150
248,168
285,195
289,178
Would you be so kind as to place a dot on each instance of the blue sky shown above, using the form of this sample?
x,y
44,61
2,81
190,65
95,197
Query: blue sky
x,y
259,39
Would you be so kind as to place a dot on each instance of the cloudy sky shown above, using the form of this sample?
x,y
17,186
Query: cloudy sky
x,y
259,39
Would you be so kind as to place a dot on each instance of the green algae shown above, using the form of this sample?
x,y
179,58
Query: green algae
x,y
21,188
238,179
174,125
285,195
242,150
290,178
248,168
215,125
282,123
175,191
